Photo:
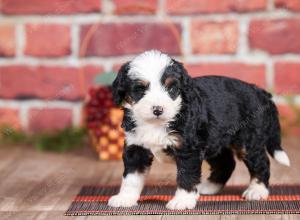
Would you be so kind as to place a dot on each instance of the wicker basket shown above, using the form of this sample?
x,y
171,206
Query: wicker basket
x,y
103,120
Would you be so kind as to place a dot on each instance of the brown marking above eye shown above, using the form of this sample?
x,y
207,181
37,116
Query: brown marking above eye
x,y
129,100
143,82
169,81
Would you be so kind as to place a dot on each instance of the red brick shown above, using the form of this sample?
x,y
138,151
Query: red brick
x,y
289,115
214,37
135,6
7,40
293,5
247,72
50,6
213,6
252,73
10,117
44,82
275,36
287,78
124,38
43,119
48,40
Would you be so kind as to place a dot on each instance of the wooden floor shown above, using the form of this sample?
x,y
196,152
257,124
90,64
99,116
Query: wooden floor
x,y
38,185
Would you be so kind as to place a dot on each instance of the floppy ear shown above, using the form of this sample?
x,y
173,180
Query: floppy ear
x,y
184,76
189,94
119,84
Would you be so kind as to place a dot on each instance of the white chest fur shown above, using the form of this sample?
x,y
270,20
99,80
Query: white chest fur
x,y
153,137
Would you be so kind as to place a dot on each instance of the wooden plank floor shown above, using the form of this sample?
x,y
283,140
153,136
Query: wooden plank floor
x,y
38,185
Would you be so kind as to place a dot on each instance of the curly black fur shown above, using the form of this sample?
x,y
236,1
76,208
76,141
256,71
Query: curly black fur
x,y
136,159
221,166
216,114
128,123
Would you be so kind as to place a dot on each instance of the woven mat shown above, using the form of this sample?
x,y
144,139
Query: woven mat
x,y
92,200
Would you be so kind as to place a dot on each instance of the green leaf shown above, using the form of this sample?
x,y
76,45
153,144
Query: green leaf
x,y
9,135
106,79
60,141
64,140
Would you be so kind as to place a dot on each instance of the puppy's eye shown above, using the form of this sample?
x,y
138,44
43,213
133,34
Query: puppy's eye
x,y
139,88
173,89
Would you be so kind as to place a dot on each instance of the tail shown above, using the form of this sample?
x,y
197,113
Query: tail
x,y
273,144
282,157
276,151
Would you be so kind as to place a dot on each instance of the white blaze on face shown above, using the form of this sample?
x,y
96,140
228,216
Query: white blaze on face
x,y
150,67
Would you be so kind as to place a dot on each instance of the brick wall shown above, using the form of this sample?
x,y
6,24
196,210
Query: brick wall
x,y
51,49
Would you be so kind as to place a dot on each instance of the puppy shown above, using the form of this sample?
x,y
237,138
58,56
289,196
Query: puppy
x,y
168,113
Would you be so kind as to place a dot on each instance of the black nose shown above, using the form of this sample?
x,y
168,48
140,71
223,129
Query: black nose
x,y
157,110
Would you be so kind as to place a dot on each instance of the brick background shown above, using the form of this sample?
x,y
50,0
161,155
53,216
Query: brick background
x,y
109,39
214,37
49,119
39,36
50,50
19,7
128,7
42,82
293,5
214,6
275,36
250,73
7,40
10,116
287,80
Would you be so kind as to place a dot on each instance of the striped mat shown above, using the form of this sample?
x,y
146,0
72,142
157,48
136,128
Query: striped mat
x,y
92,200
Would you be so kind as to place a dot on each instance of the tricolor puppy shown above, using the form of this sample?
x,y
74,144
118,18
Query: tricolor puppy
x,y
168,114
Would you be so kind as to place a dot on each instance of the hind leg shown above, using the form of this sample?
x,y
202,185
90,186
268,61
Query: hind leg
x,y
222,167
258,165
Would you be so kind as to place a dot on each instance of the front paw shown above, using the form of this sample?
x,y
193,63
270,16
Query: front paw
x,y
177,203
256,191
122,201
183,200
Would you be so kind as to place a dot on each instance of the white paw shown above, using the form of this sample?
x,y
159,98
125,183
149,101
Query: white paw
x,y
256,191
208,188
122,201
177,203
183,200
